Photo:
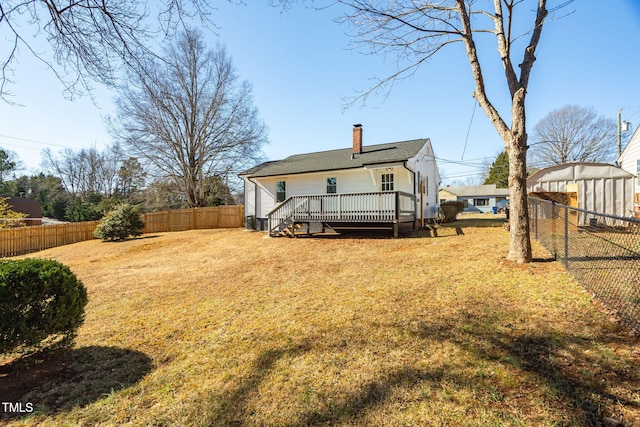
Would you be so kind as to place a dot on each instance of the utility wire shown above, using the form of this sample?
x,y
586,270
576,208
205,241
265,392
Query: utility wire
x,y
473,113
34,141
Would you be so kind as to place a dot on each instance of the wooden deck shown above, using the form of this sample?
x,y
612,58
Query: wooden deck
x,y
354,210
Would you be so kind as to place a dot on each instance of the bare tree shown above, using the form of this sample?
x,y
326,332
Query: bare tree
x,y
131,179
163,194
90,39
189,118
414,32
86,171
573,134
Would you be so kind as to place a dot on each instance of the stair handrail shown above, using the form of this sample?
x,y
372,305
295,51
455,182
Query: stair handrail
x,y
275,217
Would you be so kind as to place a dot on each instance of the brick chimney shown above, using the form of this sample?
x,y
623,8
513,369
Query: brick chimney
x,y
357,139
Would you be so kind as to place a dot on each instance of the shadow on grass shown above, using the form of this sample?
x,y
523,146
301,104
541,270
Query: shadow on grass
x,y
132,239
372,395
56,381
568,367
580,382
575,386
463,222
229,408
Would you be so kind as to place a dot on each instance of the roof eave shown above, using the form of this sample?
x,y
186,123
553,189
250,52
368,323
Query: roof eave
x,y
301,173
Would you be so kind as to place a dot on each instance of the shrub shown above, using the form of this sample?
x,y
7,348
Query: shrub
x,y
41,305
450,210
9,217
122,222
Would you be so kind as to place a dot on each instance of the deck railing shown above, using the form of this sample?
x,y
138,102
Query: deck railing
x,y
379,207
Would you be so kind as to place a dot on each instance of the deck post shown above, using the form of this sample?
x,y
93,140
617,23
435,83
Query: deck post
x,y
397,208
397,221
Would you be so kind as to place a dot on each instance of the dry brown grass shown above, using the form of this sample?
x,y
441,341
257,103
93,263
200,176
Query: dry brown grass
x,y
226,327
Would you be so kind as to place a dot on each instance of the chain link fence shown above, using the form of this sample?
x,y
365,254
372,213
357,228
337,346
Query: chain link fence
x,y
601,251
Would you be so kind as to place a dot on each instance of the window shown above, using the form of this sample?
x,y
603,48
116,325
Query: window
x,y
332,185
638,170
387,182
281,191
480,202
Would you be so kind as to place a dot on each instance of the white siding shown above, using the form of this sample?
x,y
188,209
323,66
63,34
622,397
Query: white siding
x,y
425,163
348,181
488,208
362,180
249,197
630,157
601,188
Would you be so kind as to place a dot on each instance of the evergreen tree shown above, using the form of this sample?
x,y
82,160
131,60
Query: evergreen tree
x,y
499,171
46,189
8,164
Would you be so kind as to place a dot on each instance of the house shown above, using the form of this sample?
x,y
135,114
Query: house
x,y
475,198
31,209
629,160
362,186
595,187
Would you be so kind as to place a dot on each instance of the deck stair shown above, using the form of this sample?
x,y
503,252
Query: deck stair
x,y
286,228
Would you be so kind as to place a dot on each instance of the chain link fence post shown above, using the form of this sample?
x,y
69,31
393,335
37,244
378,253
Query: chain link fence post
x,y
566,237
605,252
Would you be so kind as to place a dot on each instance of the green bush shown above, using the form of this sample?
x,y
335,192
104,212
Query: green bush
x,y
120,223
85,208
41,305
450,210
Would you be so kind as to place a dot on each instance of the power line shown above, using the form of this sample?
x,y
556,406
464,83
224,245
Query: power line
x,y
6,144
34,141
475,104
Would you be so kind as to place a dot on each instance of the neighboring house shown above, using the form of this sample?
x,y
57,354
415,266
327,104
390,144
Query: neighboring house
x,y
475,198
629,160
374,186
595,187
31,209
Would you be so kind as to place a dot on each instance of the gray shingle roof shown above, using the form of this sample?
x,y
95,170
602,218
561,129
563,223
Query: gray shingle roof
x,y
339,159
477,190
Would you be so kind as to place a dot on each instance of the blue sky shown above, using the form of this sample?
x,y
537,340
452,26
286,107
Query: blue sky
x,y
302,70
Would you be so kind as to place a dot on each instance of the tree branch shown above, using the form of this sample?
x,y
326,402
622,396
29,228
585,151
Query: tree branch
x,y
480,93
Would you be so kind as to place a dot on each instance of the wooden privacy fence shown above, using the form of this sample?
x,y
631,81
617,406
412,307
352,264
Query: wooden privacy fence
x,y
194,219
23,240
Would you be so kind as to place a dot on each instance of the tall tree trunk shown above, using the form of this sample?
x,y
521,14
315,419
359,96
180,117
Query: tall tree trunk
x,y
520,242
514,137
516,144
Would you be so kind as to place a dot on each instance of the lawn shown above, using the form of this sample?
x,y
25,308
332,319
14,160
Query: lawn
x,y
229,328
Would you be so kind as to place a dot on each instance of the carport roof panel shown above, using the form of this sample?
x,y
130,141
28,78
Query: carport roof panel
x,y
578,171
